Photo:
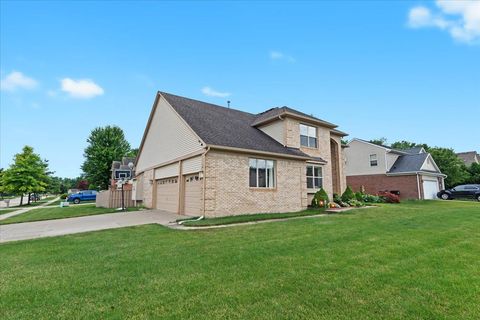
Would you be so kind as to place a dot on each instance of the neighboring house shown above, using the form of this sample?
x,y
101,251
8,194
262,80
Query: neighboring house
x,y
413,172
469,157
198,158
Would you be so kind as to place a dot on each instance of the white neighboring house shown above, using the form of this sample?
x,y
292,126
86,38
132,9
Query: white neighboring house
x,y
412,173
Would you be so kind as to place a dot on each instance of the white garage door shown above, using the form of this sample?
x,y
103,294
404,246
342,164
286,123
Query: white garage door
x,y
167,194
430,189
193,195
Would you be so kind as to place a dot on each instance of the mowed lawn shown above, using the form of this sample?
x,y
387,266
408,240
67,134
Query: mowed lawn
x,y
417,260
48,213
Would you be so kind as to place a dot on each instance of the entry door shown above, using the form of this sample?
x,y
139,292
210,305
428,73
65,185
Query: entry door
x,y
167,194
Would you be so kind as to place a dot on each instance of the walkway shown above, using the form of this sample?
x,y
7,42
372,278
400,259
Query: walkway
x,y
51,228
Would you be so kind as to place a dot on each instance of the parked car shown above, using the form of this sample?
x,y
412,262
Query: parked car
x,y
471,191
85,195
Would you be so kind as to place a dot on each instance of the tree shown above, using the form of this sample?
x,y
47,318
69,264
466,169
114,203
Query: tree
x,y
105,145
474,171
82,184
449,164
380,141
28,174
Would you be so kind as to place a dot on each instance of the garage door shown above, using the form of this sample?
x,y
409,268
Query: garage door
x,y
430,189
167,194
193,195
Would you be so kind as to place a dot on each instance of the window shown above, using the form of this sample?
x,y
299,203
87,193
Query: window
x,y
262,173
314,177
373,160
308,136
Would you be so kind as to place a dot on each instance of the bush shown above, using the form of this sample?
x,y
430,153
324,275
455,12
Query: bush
x,y
320,195
389,197
358,196
336,198
355,203
348,194
63,196
371,198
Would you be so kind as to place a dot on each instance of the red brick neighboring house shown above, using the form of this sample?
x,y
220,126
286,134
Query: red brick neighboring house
x,y
412,173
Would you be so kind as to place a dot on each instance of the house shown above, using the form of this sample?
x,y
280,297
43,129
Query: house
x,y
469,157
198,158
412,173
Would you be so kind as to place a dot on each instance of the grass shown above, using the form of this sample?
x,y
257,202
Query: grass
x,y
48,213
416,260
3,211
37,203
251,218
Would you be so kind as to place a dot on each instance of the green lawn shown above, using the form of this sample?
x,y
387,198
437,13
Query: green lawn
x,y
417,260
37,203
250,218
3,211
48,213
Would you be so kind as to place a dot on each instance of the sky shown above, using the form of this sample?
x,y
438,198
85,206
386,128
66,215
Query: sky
x,y
403,70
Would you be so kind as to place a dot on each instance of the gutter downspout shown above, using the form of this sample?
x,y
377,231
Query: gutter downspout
x,y
418,188
204,176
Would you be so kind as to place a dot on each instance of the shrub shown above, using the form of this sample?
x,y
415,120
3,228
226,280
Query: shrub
x,y
348,194
63,196
336,198
355,203
358,196
389,197
320,195
371,198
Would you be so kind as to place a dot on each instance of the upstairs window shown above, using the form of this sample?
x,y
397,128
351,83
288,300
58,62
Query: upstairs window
x,y
314,177
373,160
308,136
262,173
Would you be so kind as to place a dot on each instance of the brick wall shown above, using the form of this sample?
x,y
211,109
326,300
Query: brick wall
x,y
148,189
407,185
227,186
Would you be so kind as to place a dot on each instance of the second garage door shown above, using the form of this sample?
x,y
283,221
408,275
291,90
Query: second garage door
x,y
430,189
167,194
193,195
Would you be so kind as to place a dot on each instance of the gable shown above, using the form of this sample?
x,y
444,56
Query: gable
x,y
167,137
358,158
430,165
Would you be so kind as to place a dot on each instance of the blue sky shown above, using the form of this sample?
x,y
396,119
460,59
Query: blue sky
x,y
401,70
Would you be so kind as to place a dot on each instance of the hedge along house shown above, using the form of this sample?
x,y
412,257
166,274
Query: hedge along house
x,y
413,172
197,158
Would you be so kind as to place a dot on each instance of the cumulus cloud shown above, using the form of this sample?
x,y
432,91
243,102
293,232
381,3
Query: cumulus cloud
x,y
277,55
461,19
214,93
17,80
82,88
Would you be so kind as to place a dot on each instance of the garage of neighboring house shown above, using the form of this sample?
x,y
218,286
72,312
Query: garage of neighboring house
x,y
430,187
185,195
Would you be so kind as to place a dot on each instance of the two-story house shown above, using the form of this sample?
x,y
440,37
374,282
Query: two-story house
x,y
198,158
412,173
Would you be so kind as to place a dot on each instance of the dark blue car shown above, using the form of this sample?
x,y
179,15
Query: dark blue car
x,y
85,195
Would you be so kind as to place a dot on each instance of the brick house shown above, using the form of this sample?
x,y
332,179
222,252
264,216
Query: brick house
x,y
197,158
412,173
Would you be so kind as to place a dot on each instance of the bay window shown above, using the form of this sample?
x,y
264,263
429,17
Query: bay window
x,y
262,173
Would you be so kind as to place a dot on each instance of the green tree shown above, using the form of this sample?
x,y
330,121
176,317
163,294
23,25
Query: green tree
x,y
104,146
474,171
28,174
380,141
451,165
402,145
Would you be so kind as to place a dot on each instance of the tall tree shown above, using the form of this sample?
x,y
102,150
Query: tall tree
x,y
402,145
29,173
474,171
380,141
449,163
104,146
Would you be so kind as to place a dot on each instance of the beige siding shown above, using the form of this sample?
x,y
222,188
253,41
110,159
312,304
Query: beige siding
x,y
228,192
276,130
192,165
170,170
428,165
138,186
391,158
168,138
358,159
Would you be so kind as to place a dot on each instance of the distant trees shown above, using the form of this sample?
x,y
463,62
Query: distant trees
x,y
380,141
105,144
28,174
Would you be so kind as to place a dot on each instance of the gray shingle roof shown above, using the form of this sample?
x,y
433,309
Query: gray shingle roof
x,y
278,111
410,163
469,157
221,126
414,150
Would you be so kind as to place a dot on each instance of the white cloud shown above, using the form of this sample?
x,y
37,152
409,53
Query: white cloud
x,y
214,93
82,88
460,18
277,55
17,80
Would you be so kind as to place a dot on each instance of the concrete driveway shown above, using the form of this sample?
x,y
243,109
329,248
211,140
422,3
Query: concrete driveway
x,y
51,228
